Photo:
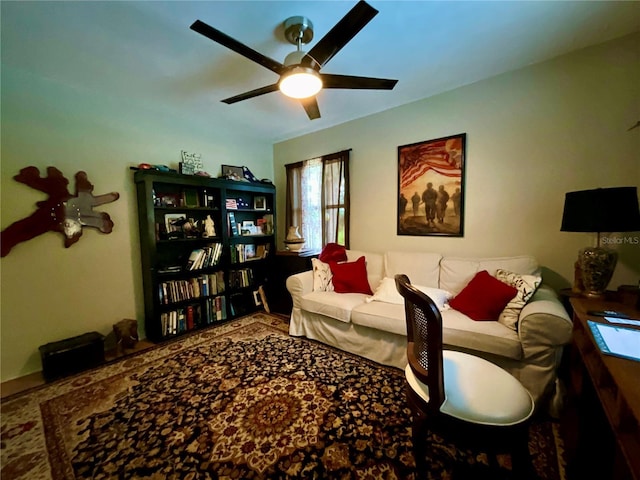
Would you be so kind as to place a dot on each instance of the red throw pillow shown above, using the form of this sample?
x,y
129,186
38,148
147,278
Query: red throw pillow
x,y
484,297
332,252
350,277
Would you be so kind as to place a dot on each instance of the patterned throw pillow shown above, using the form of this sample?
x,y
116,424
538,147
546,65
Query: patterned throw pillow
x,y
526,286
321,276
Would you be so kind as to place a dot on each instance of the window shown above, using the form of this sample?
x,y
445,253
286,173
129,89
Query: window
x,y
318,199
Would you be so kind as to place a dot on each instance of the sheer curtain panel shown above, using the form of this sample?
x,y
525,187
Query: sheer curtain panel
x,y
317,199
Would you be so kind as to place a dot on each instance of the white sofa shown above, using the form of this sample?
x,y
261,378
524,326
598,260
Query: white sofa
x,y
377,330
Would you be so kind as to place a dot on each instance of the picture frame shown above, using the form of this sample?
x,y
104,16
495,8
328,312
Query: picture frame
x,y
232,172
259,203
431,180
169,200
256,298
174,223
191,163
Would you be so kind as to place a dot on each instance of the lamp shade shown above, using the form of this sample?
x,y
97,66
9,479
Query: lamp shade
x,y
601,210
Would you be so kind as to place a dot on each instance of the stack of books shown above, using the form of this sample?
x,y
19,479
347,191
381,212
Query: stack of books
x,y
205,257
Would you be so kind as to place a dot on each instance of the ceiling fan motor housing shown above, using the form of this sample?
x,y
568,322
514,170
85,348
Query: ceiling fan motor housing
x,y
298,29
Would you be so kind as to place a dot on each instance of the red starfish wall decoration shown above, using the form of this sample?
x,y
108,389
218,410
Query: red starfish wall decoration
x,y
61,212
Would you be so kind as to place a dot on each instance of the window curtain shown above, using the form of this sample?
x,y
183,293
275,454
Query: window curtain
x,y
317,199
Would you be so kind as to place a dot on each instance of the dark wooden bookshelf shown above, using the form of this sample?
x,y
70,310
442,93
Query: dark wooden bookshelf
x,y
172,209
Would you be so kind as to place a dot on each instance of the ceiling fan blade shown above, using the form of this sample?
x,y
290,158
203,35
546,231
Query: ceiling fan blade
x,y
310,105
231,43
253,93
347,81
341,33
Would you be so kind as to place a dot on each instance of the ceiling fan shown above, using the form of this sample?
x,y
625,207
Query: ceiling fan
x,y
300,75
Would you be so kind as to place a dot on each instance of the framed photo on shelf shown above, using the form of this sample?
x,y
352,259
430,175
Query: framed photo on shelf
x,y
257,298
174,223
169,200
231,172
259,203
431,187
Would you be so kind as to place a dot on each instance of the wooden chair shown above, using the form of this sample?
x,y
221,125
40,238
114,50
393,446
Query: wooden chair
x,y
465,399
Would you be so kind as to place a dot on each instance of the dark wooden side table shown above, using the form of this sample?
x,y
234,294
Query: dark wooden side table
x,y
286,263
606,391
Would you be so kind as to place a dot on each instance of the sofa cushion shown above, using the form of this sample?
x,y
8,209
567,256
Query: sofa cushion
x,y
421,268
484,297
321,276
375,265
332,304
526,286
388,317
350,277
458,330
387,292
456,273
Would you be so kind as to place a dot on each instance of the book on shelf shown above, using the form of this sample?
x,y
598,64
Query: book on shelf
x,y
194,258
204,285
233,226
216,309
205,257
243,253
240,278
180,320
170,269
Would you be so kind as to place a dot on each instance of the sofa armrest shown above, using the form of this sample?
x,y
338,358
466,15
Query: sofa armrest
x,y
299,285
544,321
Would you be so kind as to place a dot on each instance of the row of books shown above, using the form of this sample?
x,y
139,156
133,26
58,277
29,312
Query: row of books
x,y
205,257
204,285
247,252
180,320
216,309
187,318
240,278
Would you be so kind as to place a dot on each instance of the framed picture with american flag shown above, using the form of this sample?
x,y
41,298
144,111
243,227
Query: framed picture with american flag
x,y
431,187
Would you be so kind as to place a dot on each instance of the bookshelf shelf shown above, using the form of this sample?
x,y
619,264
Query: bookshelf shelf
x,y
192,281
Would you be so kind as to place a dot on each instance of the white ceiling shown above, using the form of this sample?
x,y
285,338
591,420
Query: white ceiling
x,y
145,51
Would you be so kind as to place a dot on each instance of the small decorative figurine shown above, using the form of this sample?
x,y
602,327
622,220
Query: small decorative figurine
x,y
209,227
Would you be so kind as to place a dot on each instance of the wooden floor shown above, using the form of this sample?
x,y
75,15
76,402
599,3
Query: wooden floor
x,y
36,379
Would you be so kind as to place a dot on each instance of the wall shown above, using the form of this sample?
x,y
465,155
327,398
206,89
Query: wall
x,y
532,135
48,292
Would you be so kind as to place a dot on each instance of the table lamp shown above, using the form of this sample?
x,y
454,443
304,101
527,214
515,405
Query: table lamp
x,y
600,210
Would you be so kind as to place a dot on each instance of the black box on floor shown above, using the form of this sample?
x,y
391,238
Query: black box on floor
x,y
72,355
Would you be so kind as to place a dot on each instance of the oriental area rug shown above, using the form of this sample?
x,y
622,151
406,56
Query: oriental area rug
x,y
242,400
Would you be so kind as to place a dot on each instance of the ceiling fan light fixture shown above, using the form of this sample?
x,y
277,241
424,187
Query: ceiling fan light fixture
x,y
300,82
